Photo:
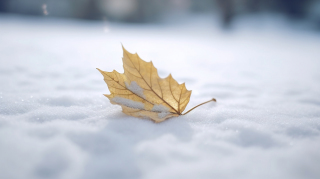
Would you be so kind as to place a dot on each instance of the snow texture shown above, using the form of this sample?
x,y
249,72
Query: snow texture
x,y
55,123
161,109
135,88
128,103
162,114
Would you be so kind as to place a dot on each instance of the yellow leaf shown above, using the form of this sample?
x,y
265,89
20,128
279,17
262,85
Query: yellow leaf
x,y
142,93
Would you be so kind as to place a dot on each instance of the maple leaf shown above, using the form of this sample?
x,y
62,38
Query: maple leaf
x,y
142,93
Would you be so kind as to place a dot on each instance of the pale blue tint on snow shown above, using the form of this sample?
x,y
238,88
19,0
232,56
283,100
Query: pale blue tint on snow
x,y
259,59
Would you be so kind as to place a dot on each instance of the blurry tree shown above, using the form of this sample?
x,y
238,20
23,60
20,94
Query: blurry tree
x,y
202,5
227,11
131,10
3,5
294,8
151,10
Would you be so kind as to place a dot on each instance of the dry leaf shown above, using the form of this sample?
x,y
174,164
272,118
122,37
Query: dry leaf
x,y
142,93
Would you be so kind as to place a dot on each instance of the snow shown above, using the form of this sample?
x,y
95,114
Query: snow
x,y
135,88
162,110
56,123
128,102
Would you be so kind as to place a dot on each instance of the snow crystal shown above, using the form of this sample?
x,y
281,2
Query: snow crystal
x,y
128,103
134,87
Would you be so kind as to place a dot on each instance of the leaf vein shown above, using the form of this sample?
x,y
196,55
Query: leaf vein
x,y
129,90
179,100
171,91
153,90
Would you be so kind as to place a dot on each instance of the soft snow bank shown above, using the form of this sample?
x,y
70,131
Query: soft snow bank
x,y
55,122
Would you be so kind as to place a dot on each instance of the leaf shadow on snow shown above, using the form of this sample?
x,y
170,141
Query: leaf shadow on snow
x,y
117,141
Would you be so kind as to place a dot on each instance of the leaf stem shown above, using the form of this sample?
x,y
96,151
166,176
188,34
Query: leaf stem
x,y
199,105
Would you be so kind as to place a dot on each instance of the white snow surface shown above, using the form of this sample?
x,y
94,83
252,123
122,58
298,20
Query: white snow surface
x,y
55,122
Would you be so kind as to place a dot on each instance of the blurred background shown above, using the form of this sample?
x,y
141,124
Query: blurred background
x,y
149,11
